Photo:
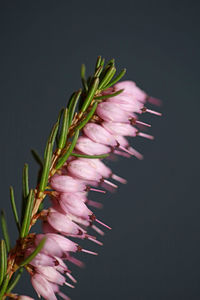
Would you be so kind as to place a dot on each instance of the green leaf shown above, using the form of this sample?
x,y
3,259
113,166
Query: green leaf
x,y
34,253
83,79
14,281
102,62
25,181
90,156
98,63
88,117
46,168
3,261
116,79
72,105
14,208
37,157
64,158
5,230
51,138
64,130
25,189
109,95
27,214
4,286
98,72
108,76
90,95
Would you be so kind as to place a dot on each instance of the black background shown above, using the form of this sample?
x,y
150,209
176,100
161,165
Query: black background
x,y
153,250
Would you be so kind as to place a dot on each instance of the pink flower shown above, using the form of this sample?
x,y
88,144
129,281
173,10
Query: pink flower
x,y
51,274
64,183
109,112
120,128
98,134
74,205
85,145
56,245
41,259
131,88
83,170
63,224
43,287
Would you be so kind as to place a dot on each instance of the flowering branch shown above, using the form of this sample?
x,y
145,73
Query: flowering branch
x,y
72,165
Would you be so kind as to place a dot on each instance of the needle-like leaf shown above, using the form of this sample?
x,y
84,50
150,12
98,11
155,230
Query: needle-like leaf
x,y
115,80
27,214
46,168
98,62
3,261
25,181
4,286
109,95
14,208
88,117
106,79
5,230
64,130
90,156
72,105
90,95
63,159
83,78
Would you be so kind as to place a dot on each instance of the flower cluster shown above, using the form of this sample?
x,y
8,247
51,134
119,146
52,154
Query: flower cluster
x,y
69,216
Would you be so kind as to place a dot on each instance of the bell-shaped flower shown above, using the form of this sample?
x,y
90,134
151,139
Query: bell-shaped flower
x,y
43,287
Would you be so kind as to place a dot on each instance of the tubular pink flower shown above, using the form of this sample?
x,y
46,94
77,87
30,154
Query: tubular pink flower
x,y
72,204
43,287
98,134
64,183
131,88
63,224
120,128
111,113
41,259
51,274
56,244
85,145
83,170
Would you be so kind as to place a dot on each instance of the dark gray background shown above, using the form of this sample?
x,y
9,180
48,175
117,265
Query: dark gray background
x,y
153,250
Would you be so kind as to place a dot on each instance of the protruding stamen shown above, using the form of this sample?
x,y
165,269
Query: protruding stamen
x,y
125,150
70,285
89,252
118,178
103,224
97,190
142,123
94,240
124,154
144,109
145,135
71,277
97,229
136,153
110,183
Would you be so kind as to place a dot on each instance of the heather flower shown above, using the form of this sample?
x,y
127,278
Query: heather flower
x,y
43,287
